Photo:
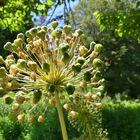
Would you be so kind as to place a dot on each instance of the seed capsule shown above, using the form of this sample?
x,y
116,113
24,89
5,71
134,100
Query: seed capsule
x,y
21,35
31,119
68,107
21,118
70,88
41,118
52,101
2,72
15,107
8,99
82,50
98,48
98,105
76,68
36,96
73,114
67,29
83,84
54,24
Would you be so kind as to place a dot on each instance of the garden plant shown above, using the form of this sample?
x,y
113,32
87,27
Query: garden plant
x,y
53,66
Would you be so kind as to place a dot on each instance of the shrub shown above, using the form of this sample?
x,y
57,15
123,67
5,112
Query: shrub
x,y
122,120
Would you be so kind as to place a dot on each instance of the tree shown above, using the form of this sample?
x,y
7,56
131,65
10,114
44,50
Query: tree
x,y
110,23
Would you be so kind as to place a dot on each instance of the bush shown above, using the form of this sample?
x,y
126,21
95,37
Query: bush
x,y
122,120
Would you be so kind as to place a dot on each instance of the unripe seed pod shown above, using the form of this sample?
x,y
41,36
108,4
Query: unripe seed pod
x,y
18,42
9,62
93,55
6,85
21,35
73,114
21,118
98,105
65,57
67,29
79,32
52,101
50,88
41,118
28,34
54,24
46,67
36,96
97,62
21,63
70,88
8,99
76,68
68,107
64,47
82,50
81,60
83,84
15,107
87,76
44,28
1,60
32,65
2,72
20,97
8,46
98,47
31,119
56,33
33,31
41,34
13,70
33,76
2,92
92,45
88,96
94,96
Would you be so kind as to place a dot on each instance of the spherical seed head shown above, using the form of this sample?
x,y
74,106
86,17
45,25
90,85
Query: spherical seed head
x,y
50,60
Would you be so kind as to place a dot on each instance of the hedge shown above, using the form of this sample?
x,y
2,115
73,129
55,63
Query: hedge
x,y
122,120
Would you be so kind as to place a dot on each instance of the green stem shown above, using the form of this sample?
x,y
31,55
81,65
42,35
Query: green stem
x,y
61,117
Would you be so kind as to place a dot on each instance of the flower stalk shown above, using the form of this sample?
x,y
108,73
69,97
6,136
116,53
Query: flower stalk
x,y
61,117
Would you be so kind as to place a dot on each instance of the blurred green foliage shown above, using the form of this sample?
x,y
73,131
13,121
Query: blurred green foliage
x,y
15,15
122,120
114,24
48,130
